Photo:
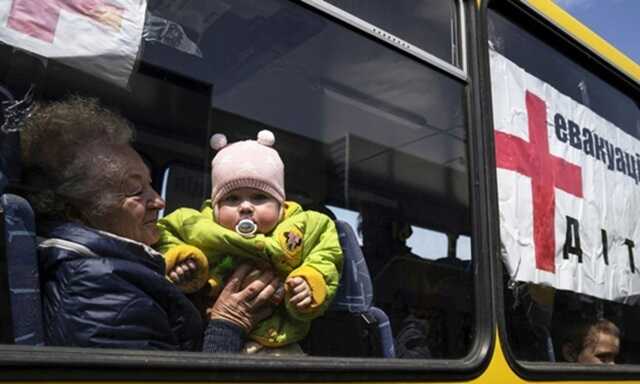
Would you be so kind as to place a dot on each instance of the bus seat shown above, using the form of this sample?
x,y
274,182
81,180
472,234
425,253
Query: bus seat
x,y
530,322
355,293
540,320
440,292
22,267
351,314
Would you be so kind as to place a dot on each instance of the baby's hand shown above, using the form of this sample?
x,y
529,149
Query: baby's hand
x,y
300,292
183,272
187,267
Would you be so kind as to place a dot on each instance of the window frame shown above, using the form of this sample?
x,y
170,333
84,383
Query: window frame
x,y
389,38
531,20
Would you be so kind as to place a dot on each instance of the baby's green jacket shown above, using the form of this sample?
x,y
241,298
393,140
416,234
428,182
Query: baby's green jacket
x,y
304,243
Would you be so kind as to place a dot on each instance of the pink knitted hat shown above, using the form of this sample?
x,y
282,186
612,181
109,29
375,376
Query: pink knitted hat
x,y
248,163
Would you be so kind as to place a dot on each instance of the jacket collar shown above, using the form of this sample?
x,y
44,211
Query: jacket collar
x,y
291,208
104,244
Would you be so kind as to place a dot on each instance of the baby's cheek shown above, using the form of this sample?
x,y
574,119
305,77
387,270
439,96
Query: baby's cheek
x,y
265,228
225,218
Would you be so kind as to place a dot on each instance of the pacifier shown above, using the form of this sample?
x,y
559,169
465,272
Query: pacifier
x,y
246,228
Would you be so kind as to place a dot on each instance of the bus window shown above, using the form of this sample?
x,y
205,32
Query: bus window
x,y
369,133
570,288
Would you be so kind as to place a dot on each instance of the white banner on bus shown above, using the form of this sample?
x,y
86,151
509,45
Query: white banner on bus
x,y
568,189
101,37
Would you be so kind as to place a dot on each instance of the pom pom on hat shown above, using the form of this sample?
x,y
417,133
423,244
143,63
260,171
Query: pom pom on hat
x,y
266,137
218,141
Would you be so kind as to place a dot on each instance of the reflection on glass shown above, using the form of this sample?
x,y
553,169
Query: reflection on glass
x,y
351,217
428,244
463,248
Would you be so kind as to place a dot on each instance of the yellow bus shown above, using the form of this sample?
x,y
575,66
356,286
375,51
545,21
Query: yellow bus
x,y
478,155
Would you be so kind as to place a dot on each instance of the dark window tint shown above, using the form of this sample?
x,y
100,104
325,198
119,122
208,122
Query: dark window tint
x,y
368,135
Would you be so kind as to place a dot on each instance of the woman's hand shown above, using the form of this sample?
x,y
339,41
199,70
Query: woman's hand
x,y
246,303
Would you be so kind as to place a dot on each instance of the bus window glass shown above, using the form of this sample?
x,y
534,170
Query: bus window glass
x,y
570,289
368,135
430,25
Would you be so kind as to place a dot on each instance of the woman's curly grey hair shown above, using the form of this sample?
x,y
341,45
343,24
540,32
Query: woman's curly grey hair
x,y
69,165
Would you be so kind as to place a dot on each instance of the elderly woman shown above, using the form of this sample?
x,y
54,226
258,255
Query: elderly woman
x,y
103,286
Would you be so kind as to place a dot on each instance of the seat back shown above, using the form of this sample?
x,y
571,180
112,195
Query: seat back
x,y
355,292
441,293
530,320
358,329
21,319
22,267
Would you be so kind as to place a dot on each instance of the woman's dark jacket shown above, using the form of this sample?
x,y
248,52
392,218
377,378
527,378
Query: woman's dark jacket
x,y
100,290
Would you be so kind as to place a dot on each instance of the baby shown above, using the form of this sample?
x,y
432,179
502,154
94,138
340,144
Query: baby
x,y
248,219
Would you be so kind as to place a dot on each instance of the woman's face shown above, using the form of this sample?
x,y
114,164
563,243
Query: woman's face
x,y
135,215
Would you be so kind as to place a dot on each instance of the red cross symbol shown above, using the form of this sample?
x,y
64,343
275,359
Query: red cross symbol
x,y
546,171
39,18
